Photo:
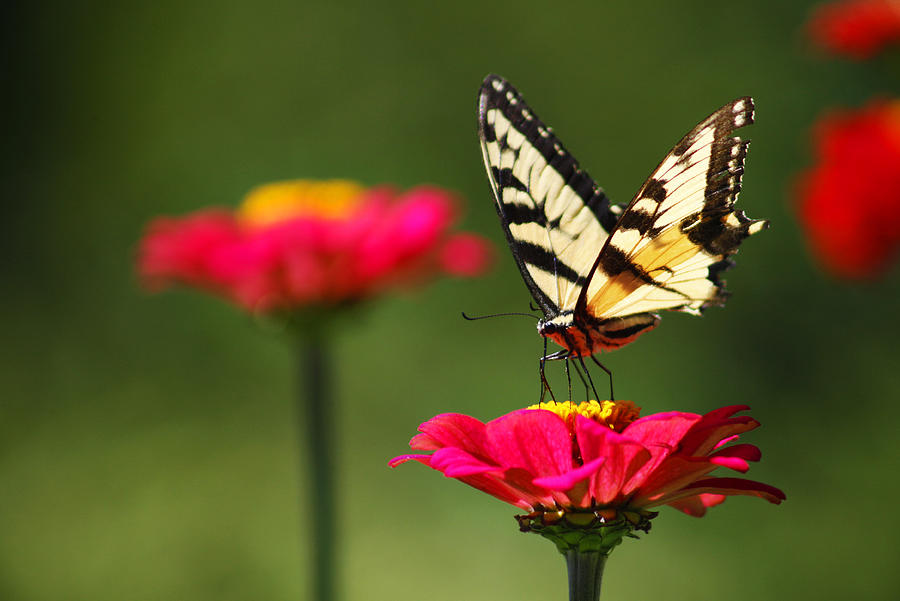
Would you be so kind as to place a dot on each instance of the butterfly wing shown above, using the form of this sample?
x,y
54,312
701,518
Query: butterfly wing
x,y
555,216
673,240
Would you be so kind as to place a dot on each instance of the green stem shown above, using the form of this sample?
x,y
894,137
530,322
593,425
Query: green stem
x,y
585,574
314,413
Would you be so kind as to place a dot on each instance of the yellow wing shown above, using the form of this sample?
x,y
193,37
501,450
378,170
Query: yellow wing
x,y
673,240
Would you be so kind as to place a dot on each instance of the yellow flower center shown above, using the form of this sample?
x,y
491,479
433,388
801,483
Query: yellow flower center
x,y
280,201
615,414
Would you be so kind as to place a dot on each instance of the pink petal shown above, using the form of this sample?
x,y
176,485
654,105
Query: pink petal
x,y
566,482
522,481
726,440
537,441
744,451
715,427
661,435
456,463
727,486
671,475
736,457
401,459
696,506
725,412
412,230
624,457
466,255
678,471
501,489
249,268
176,249
452,430
735,463
485,482
423,442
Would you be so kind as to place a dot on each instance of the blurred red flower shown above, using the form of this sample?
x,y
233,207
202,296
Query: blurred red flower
x,y
594,456
849,202
302,243
856,28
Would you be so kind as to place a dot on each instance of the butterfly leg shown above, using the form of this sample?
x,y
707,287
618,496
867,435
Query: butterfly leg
x,y
587,387
569,378
584,367
557,356
612,395
545,386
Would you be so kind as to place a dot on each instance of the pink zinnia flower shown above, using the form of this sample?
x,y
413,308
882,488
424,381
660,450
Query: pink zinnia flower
x,y
301,243
595,459
849,202
856,28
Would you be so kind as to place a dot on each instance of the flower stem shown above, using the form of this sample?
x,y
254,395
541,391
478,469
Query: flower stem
x,y
585,574
314,413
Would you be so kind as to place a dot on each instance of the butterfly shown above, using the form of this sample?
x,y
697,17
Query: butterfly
x,y
599,272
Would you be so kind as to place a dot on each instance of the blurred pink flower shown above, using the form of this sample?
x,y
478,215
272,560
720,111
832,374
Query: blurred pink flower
x,y
597,457
856,28
465,255
849,202
293,244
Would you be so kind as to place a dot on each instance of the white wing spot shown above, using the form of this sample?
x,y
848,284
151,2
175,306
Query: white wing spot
x,y
498,85
647,205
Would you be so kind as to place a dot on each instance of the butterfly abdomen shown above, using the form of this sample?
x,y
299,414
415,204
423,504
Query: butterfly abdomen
x,y
584,338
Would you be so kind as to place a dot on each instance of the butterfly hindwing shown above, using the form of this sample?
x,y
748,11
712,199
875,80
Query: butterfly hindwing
x,y
555,216
674,238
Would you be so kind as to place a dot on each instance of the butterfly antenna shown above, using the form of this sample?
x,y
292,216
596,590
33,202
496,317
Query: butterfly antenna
x,y
612,395
477,317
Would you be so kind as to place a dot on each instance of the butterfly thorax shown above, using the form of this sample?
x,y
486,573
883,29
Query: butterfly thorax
x,y
575,337
585,337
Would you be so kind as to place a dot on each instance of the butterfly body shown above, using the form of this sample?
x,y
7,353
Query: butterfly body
x,y
585,337
600,272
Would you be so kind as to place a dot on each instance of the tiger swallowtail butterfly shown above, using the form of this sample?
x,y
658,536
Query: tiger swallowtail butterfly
x,y
597,271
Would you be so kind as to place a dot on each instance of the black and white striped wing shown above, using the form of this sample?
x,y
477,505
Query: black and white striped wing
x,y
674,238
555,216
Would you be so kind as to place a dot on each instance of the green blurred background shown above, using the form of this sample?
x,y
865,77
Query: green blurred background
x,y
147,447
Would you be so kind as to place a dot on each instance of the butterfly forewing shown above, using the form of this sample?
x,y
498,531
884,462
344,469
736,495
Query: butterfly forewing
x,y
555,216
671,242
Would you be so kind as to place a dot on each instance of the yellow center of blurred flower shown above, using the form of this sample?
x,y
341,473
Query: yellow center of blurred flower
x,y
280,201
615,414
